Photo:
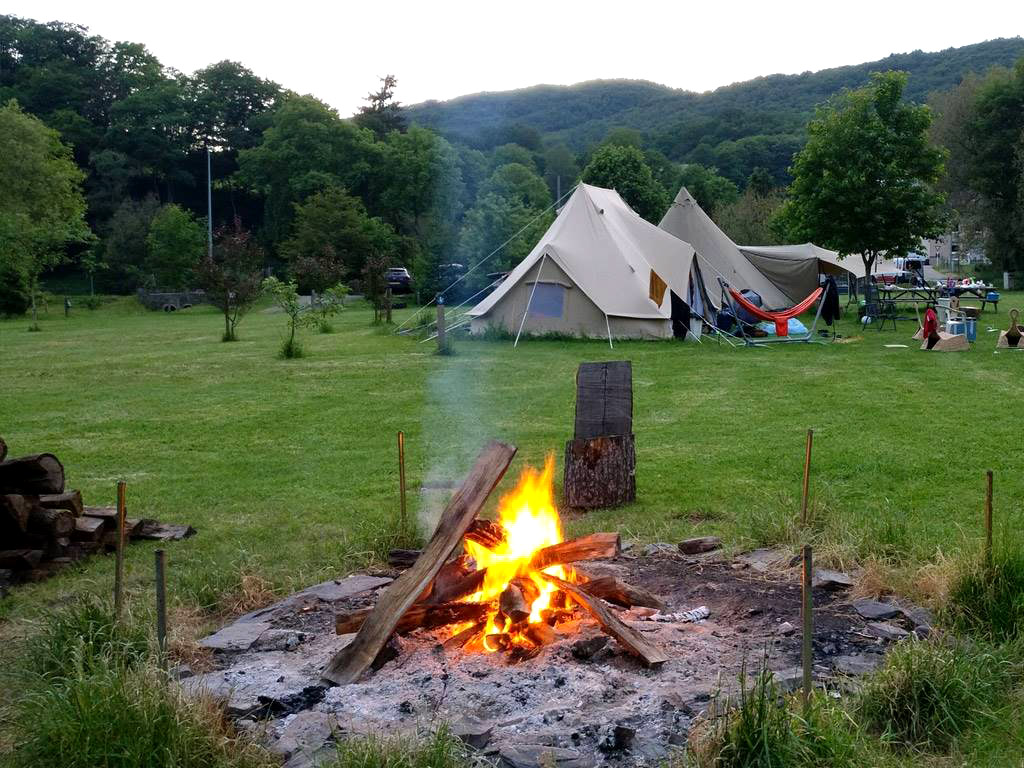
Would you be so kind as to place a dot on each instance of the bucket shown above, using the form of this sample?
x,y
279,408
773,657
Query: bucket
x,y
972,329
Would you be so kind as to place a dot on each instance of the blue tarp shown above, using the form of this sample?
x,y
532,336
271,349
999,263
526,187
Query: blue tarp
x,y
796,328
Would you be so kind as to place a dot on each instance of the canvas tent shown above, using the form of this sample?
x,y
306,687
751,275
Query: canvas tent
x,y
795,268
600,271
719,256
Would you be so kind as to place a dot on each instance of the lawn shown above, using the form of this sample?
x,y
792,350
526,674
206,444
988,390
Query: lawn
x,y
287,468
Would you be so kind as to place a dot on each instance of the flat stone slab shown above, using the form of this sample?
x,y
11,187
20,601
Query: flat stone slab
x,y
885,630
875,610
832,580
339,589
237,637
857,665
765,559
540,756
699,545
305,732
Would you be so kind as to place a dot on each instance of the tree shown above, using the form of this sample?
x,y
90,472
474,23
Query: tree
x,y
512,153
227,105
518,182
495,222
332,239
42,209
709,189
560,169
625,170
375,284
125,249
175,243
327,304
232,276
383,112
864,183
760,182
752,219
286,296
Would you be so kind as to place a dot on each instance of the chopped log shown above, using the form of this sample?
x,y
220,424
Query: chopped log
x,y
497,642
57,548
650,654
354,659
53,523
615,591
541,633
20,559
403,558
88,529
700,545
512,603
419,616
69,500
464,587
3,449
14,509
463,638
487,533
600,472
604,399
451,573
32,475
590,547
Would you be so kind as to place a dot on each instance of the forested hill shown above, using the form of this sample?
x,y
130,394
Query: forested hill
x,y
676,121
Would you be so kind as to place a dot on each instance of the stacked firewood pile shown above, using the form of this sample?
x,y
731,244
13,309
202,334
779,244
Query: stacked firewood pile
x,y
443,587
44,527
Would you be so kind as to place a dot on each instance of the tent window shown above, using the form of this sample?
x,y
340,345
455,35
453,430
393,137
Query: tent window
x,y
548,300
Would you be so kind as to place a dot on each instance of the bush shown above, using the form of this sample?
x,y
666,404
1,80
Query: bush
x,y
291,349
440,750
15,298
929,694
987,600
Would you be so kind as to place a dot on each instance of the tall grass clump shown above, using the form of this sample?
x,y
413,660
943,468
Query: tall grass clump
x,y
986,599
930,693
439,750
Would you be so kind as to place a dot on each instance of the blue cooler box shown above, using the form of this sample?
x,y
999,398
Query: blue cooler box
x,y
972,329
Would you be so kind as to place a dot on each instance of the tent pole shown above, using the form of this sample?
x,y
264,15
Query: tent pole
x,y
530,300
609,327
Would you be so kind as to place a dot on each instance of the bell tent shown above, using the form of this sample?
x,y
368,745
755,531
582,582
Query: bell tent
x,y
600,271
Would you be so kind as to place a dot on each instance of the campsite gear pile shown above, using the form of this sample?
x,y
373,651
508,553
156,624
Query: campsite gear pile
x,y
600,460
44,527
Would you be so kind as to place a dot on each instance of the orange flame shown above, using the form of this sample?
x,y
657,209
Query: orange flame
x,y
531,522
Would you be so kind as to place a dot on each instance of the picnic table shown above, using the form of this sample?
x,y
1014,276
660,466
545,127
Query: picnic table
x,y
978,291
908,294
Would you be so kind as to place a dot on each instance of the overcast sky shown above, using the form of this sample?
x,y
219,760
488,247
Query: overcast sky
x,y
439,50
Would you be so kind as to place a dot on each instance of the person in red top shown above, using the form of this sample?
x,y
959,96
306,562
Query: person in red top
x,y
931,327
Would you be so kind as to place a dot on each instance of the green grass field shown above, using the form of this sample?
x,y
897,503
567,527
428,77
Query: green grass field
x,y
288,468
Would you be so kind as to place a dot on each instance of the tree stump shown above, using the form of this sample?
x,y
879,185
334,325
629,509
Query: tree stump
x,y
600,472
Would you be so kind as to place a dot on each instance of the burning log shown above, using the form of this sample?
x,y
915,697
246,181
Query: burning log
x,y
540,633
615,591
466,636
355,658
591,547
627,637
486,533
516,599
451,573
419,616
32,475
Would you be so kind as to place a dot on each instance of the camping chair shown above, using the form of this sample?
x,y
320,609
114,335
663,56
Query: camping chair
x,y
781,318
877,308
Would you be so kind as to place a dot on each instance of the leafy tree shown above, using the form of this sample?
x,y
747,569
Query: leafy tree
x,y
383,112
495,221
518,182
307,148
232,276
753,218
175,243
709,189
760,182
228,105
864,181
512,153
375,284
92,262
332,239
41,204
286,296
560,169
625,170
327,304
15,297
125,249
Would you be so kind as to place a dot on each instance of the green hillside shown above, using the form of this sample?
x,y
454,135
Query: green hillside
x,y
763,117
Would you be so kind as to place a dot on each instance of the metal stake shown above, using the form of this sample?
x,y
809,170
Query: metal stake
x,y
161,608
988,517
441,340
401,482
808,628
119,552
807,476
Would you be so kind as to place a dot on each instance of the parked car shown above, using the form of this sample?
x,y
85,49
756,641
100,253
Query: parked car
x,y
399,280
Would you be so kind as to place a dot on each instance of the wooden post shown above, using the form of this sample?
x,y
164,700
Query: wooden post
x,y
988,517
119,552
807,476
403,520
441,340
161,609
808,627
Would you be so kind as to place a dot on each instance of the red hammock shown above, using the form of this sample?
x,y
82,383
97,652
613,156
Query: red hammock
x,y
781,319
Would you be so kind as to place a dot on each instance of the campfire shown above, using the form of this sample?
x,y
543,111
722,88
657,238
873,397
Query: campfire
x,y
508,589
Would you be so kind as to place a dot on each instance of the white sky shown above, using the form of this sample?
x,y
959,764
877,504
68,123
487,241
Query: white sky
x,y
440,49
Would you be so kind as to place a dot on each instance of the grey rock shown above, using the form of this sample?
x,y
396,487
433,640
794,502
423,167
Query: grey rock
x,y
789,679
885,630
765,559
831,580
659,548
540,756
857,665
305,732
339,589
873,610
916,615
278,640
785,629
181,672
585,648
235,638
472,731
700,544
